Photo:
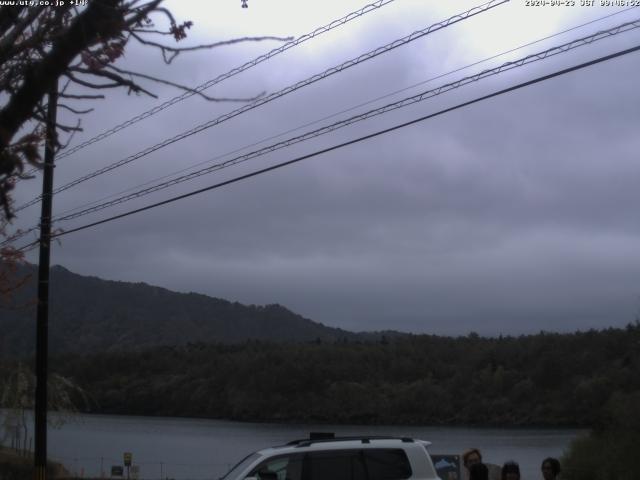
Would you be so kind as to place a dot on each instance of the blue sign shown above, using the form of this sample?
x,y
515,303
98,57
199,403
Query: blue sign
x,y
447,466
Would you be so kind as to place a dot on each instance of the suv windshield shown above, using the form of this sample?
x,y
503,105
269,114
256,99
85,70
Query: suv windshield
x,y
241,465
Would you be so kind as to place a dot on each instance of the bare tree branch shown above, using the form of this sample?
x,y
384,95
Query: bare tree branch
x,y
41,45
141,13
101,19
184,87
118,79
73,110
67,128
90,84
175,51
73,133
8,42
81,97
9,16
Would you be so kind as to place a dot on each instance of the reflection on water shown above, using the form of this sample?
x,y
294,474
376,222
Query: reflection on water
x,y
205,449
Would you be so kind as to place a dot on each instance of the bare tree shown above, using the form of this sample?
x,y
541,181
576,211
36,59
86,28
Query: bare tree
x,y
79,46
10,278
17,388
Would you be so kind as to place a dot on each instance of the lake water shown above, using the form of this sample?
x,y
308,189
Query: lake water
x,y
205,449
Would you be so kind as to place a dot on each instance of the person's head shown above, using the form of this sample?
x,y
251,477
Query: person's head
x,y
511,471
471,457
550,468
478,471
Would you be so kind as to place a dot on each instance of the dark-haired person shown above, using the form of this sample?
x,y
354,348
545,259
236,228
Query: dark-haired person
x,y
550,468
478,471
472,457
511,471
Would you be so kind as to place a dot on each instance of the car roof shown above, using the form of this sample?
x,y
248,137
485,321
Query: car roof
x,y
342,443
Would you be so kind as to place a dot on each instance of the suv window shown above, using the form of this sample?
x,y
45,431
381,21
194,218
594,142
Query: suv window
x,y
282,467
387,464
353,464
335,465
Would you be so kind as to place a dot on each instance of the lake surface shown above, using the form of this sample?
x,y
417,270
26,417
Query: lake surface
x,y
205,449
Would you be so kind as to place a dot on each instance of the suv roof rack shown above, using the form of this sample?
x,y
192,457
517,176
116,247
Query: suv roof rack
x,y
305,442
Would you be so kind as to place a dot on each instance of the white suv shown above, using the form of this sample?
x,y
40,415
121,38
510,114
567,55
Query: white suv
x,y
325,457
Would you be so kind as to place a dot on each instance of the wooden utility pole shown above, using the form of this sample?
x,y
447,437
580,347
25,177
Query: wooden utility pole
x,y
42,326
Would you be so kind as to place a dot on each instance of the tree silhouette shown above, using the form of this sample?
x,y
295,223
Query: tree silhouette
x,y
17,398
40,45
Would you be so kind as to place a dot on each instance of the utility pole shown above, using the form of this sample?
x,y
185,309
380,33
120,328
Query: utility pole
x,y
42,326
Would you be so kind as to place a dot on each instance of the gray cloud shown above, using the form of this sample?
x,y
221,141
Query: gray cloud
x,y
509,216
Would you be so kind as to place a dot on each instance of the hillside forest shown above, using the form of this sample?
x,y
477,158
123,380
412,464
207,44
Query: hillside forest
x,y
543,380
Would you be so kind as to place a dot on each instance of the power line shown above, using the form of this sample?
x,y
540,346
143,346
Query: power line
x,y
350,109
587,40
220,78
252,63
262,101
350,142
625,27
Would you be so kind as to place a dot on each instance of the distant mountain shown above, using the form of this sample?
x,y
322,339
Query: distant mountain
x,y
88,314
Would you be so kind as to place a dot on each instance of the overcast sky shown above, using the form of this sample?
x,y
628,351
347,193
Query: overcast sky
x,y
514,215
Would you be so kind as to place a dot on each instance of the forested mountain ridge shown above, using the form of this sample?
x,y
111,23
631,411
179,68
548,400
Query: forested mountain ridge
x,y
544,379
139,349
88,314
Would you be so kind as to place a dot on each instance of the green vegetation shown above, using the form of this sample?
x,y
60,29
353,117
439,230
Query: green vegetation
x,y
17,398
14,466
587,379
544,379
608,452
